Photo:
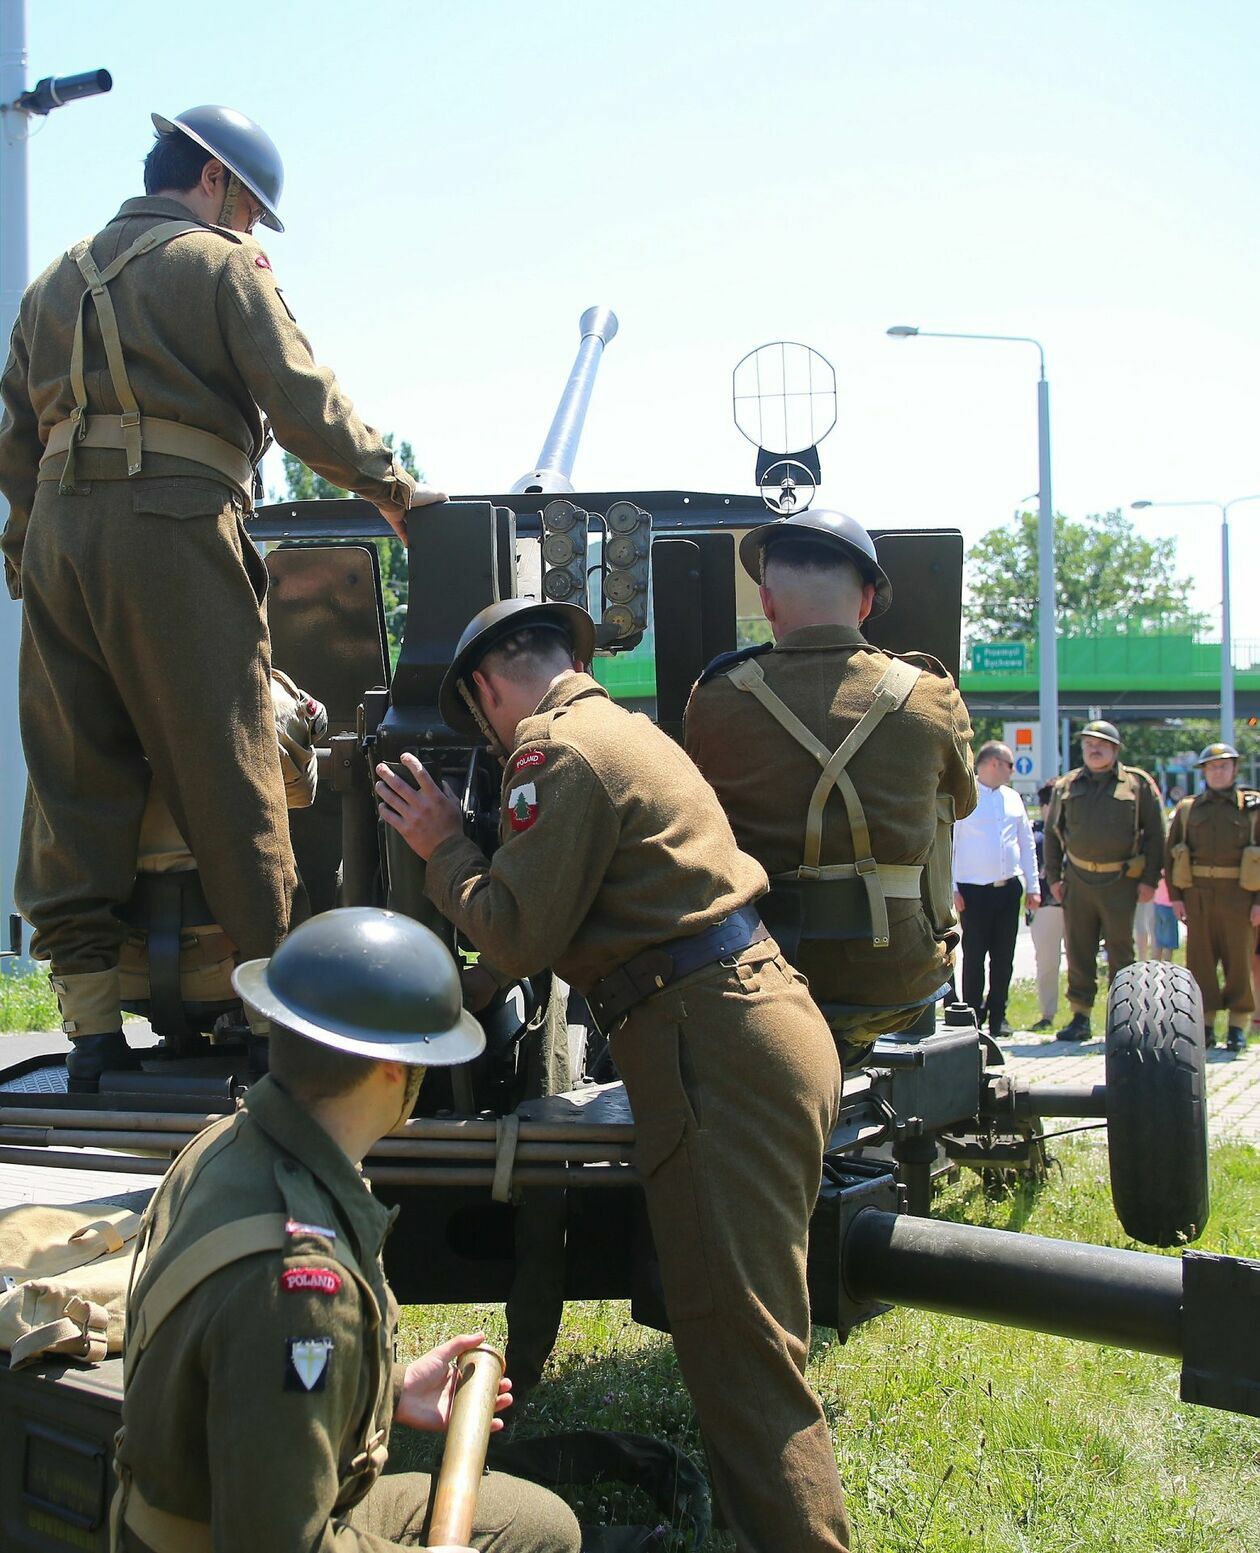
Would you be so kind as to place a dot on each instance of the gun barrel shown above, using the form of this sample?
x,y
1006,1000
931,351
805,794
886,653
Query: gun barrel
x,y
554,471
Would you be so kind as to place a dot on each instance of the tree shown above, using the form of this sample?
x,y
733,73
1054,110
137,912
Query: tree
x,y
303,484
1109,578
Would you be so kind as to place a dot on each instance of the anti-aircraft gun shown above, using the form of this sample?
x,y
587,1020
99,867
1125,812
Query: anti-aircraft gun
x,y
658,569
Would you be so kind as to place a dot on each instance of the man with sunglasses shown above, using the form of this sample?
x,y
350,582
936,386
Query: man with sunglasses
x,y
145,365
993,851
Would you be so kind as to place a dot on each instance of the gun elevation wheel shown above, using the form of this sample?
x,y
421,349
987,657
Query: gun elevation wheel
x,y
1157,1103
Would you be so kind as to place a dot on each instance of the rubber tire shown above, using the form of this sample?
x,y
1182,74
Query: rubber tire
x,y
1157,1103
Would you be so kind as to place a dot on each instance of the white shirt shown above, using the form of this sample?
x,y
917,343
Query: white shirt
x,y
995,841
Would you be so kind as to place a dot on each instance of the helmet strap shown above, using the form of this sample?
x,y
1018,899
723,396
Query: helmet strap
x,y
487,732
231,198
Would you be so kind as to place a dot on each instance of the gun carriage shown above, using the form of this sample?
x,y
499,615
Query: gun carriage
x,y
929,1099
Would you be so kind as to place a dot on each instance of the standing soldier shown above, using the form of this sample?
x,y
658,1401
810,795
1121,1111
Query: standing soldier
x,y
1212,861
841,769
1104,848
617,867
142,365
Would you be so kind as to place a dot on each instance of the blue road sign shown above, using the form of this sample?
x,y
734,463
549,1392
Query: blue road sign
x,y
1024,765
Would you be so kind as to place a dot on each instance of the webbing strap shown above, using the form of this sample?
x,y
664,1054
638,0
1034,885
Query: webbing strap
x,y
894,686
103,1237
159,1529
158,436
98,289
1214,871
899,882
82,1333
506,1132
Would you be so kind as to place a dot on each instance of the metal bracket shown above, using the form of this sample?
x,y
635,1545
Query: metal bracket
x,y
848,1186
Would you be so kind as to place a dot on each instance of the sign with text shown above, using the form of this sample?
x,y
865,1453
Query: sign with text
x,y
1024,740
999,658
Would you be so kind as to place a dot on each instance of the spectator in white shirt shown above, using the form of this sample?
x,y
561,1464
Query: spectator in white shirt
x,y
993,850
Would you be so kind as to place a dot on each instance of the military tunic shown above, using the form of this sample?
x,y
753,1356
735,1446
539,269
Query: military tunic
x,y
826,675
613,842
257,1417
144,637
1097,823
1217,826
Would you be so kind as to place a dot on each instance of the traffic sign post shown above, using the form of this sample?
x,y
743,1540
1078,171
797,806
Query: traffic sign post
x,y
1024,740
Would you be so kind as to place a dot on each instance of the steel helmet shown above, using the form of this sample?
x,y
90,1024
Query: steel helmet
x,y
1101,730
837,529
367,981
241,145
491,625
1216,752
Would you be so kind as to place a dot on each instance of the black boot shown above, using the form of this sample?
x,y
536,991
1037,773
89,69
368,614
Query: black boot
x,y
1209,1035
92,1055
1076,1029
1236,1040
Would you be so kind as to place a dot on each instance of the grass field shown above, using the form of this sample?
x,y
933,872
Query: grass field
x,y
952,1435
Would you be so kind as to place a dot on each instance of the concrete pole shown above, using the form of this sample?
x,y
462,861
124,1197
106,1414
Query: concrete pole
x,y
14,274
1227,654
1047,645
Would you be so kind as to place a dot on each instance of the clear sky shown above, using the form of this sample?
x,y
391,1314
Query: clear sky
x,y
463,179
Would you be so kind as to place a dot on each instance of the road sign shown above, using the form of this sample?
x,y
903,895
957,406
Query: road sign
x,y
999,658
1024,740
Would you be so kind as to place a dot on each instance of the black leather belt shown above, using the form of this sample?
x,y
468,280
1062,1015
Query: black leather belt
x,y
612,998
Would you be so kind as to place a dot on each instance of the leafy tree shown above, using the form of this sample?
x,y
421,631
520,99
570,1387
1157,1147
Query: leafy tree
x,y
1109,578
303,484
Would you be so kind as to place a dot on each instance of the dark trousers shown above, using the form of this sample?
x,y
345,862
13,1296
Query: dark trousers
x,y
990,925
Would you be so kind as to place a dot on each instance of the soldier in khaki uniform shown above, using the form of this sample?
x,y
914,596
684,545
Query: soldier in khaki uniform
x,y
142,365
617,867
1103,850
829,755
260,1380
1212,863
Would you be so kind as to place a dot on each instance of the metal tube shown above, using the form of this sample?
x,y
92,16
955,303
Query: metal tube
x,y
1047,648
1227,652
464,1454
1130,1299
554,472
1060,1100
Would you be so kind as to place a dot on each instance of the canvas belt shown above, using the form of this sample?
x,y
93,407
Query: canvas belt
x,y
1210,871
891,693
131,430
898,881
162,1531
616,994
1095,868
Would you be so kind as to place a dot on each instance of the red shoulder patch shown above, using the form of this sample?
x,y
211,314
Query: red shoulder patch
x,y
529,759
262,261
310,1280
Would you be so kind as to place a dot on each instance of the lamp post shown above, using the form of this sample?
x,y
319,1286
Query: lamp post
x,y
1047,651
1227,655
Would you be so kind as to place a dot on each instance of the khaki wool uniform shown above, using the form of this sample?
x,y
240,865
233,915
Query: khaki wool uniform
x,y
1101,827
913,776
612,842
1217,826
257,1407
144,637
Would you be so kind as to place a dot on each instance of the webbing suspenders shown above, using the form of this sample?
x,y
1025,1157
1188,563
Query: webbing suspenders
x,y
98,289
895,685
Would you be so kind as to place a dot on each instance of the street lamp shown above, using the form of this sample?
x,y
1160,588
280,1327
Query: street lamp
x,y
1227,656
1047,651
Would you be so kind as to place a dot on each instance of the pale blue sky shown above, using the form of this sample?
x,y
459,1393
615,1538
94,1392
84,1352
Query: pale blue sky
x,y
463,179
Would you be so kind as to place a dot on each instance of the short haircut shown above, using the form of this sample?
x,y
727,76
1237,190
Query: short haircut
x,y
174,162
808,558
311,1071
529,651
992,749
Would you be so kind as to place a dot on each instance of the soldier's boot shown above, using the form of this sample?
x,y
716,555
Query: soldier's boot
x,y
1236,1040
1209,1035
1076,1029
92,1055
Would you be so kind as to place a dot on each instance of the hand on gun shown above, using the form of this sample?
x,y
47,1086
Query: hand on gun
x,y
425,815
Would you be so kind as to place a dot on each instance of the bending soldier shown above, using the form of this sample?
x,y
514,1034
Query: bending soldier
x,y
142,364
617,866
1103,848
260,1383
1212,863
841,769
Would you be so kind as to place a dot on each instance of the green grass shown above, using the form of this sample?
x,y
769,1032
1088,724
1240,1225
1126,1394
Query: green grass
x,y
1023,1010
953,1435
27,1002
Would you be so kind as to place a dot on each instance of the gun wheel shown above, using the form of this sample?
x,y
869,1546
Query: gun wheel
x,y
1157,1103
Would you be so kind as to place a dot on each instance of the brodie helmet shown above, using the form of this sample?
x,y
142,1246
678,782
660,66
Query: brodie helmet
x,y
1216,752
819,526
1101,730
491,625
241,145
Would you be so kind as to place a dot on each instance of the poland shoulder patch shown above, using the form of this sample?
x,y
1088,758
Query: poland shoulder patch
x,y
307,1369
522,806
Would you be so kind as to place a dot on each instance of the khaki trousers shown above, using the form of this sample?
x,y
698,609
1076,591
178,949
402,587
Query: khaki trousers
x,y
735,1086
145,655
1219,932
1093,911
1047,939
